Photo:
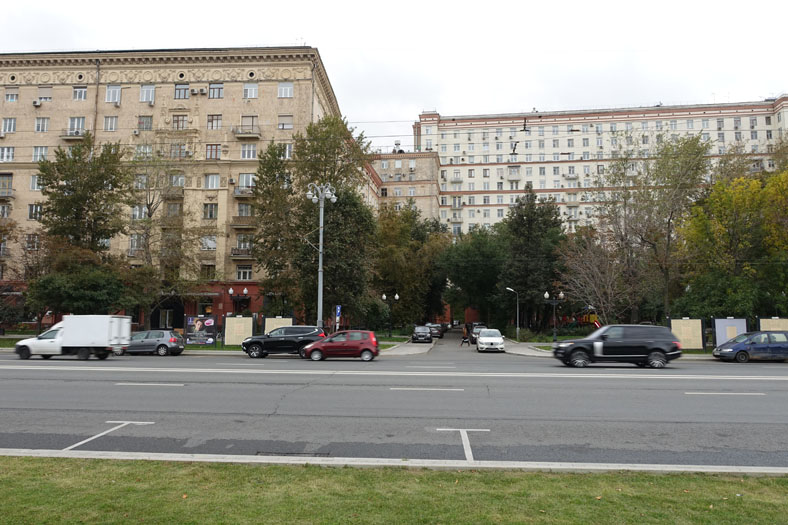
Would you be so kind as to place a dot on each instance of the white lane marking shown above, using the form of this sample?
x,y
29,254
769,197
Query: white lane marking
x,y
149,384
438,464
430,366
121,425
466,443
725,393
399,373
430,389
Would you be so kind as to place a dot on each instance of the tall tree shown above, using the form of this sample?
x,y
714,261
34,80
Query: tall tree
x,y
86,190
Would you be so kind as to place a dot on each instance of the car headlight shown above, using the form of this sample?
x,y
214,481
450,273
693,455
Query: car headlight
x,y
310,345
726,350
564,345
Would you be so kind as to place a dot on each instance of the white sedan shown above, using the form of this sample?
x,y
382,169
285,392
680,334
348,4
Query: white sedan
x,y
489,339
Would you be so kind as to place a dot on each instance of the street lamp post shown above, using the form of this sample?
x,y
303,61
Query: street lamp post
x,y
390,303
554,302
517,298
318,193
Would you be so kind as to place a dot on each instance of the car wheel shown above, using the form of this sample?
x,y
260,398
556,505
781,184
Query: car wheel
x,y
316,355
579,359
657,359
255,351
742,357
47,356
162,350
367,355
118,351
102,355
83,354
24,353
302,352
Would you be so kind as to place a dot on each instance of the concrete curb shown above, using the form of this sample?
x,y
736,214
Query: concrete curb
x,y
433,464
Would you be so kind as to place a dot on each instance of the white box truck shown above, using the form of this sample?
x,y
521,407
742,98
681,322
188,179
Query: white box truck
x,y
80,335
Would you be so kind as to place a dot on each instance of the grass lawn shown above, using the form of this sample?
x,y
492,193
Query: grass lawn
x,y
7,342
43,490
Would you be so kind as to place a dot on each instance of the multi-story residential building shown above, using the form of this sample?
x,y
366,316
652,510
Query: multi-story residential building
x,y
409,179
207,112
487,161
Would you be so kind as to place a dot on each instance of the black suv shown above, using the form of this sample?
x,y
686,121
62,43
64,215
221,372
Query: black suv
x,y
639,344
284,340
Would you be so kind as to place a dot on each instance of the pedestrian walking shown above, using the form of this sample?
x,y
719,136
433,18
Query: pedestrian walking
x,y
465,334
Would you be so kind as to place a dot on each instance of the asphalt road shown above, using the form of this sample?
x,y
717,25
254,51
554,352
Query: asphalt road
x,y
448,404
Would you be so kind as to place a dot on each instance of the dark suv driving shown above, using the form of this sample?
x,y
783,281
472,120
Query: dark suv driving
x,y
284,340
638,344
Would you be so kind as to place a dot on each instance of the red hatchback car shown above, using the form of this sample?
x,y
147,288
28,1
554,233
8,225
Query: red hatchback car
x,y
348,343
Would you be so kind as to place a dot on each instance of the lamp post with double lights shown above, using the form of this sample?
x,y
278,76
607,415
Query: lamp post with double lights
x,y
390,304
517,298
554,302
318,193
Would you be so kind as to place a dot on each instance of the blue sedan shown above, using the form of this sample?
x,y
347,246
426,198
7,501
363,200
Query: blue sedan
x,y
765,346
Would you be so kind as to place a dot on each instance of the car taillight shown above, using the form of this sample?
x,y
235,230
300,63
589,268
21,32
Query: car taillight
x,y
173,340
678,344
321,334
373,338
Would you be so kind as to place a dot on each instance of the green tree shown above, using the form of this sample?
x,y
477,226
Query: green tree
x,y
86,190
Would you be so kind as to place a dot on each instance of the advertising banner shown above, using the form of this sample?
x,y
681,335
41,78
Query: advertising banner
x,y
200,330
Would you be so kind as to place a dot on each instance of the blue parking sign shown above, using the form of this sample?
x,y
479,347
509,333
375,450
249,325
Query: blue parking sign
x,y
339,310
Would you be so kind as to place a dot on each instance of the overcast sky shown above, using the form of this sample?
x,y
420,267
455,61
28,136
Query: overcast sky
x,y
388,62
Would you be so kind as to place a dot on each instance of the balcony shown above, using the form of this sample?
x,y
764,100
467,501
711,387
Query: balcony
x,y
241,253
134,252
457,205
173,192
243,221
243,192
571,176
72,134
247,132
456,219
6,193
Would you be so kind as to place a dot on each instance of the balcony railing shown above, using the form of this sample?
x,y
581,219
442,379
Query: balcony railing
x,y
242,221
173,192
247,131
7,193
241,253
72,134
243,191
457,205
456,219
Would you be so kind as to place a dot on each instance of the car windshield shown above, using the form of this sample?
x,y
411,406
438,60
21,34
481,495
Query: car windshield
x,y
478,329
421,329
489,333
740,338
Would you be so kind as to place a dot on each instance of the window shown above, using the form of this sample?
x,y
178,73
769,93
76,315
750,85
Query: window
x,y
208,272
690,124
285,122
5,210
212,181
208,243
500,212
9,125
140,182
214,121
181,91
31,242
411,191
244,241
486,199
110,123
213,151
215,90
250,90
285,90
34,212
138,212
736,123
11,94
754,135
720,137
6,154
145,123
174,209
768,121
42,124
720,124
76,125
244,209
180,122
249,123
556,143
147,93
177,180
288,152
177,151
210,210
243,272
113,94
144,151
44,93
248,151
39,153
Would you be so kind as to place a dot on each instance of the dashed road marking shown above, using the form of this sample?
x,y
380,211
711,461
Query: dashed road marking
x,y
149,384
430,389
725,393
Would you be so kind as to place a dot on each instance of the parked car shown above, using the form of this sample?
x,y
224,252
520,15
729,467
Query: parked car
x,y
764,345
348,343
489,339
638,344
160,342
421,334
283,340
475,332
435,330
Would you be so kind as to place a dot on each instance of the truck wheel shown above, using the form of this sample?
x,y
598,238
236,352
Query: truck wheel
x,y
83,354
255,351
162,350
24,352
118,351
102,354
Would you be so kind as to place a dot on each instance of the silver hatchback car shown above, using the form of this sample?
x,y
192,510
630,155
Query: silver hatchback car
x,y
159,342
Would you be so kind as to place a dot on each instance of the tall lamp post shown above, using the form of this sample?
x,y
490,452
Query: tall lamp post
x,y
517,298
390,303
554,302
318,193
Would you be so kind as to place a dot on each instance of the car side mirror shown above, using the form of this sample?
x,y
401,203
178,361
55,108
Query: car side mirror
x,y
603,337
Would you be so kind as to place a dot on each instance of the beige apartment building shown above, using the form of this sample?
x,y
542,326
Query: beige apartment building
x,y
408,178
487,161
206,112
